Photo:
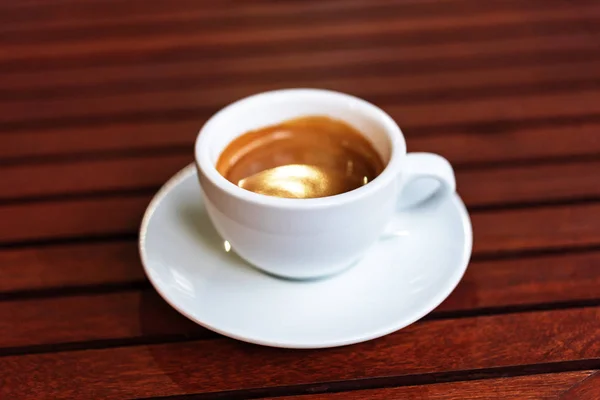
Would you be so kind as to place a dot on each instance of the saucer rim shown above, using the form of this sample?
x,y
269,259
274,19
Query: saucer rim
x,y
401,323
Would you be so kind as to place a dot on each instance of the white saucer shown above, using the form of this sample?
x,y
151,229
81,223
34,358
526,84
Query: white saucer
x,y
399,281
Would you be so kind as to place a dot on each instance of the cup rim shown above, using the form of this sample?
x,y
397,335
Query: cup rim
x,y
392,130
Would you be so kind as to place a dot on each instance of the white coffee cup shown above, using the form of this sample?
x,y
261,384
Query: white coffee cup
x,y
311,238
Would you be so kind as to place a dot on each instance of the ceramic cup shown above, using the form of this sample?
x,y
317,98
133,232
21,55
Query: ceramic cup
x,y
313,238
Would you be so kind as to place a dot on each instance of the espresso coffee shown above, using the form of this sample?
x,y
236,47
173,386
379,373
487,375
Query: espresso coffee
x,y
307,157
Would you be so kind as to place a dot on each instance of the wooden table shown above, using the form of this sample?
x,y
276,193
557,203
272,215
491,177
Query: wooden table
x,y
100,102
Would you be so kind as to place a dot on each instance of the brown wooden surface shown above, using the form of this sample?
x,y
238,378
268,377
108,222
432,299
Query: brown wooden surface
x,y
100,102
534,387
471,344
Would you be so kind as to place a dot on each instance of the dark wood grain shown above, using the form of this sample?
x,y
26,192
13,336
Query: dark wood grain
x,y
342,29
395,78
532,183
501,143
380,90
588,389
217,365
111,138
71,218
117,316
100,102
544,279
463,48
109,175
534,387
69,265
109,17
128,316
32,14
196,24
122,317
541,227
571,104
304,70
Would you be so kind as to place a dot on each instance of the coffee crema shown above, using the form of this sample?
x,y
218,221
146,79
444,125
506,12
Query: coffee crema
x,y
306,157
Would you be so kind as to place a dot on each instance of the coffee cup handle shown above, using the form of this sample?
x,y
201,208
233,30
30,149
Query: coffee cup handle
x,y
427,179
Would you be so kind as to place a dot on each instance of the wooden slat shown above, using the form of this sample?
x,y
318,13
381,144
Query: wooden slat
x,y
110,138
341,30
527,281
91,176
69,218
118,316
533,387
541,227
496,109
69,265
216,365
507,143
509,184
129,315
513,185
